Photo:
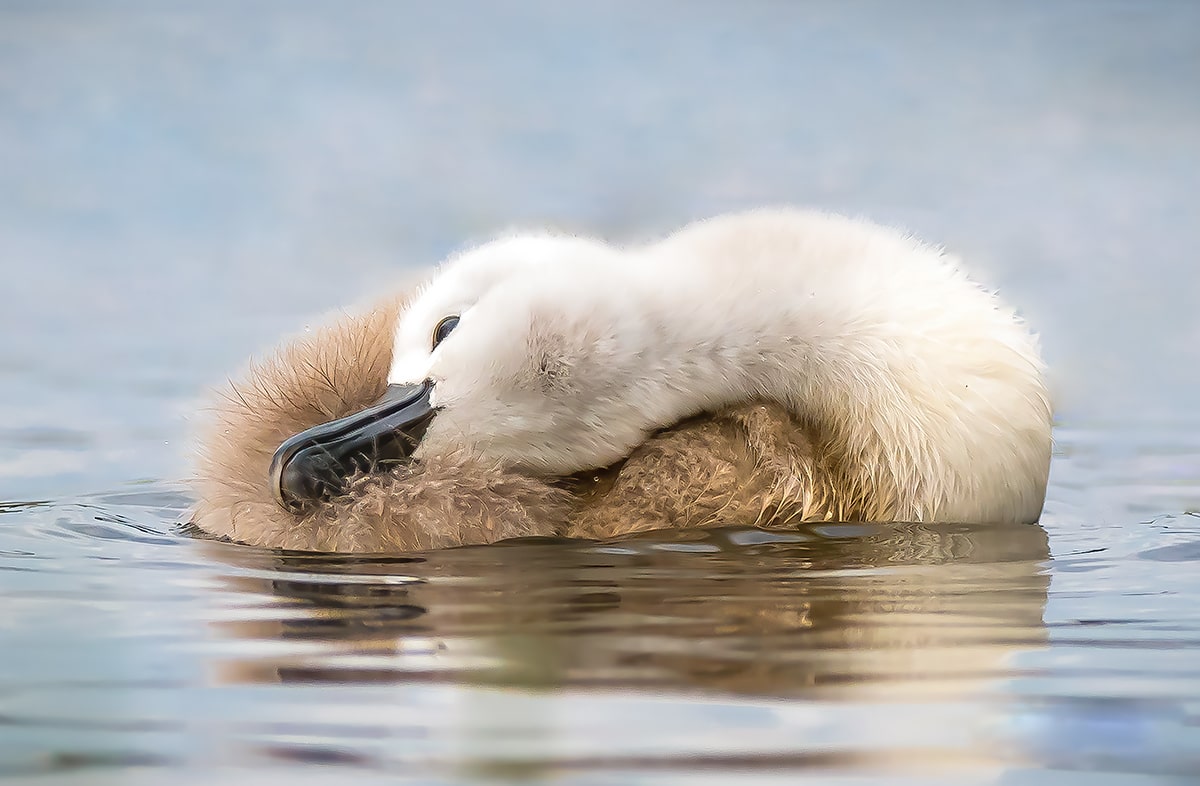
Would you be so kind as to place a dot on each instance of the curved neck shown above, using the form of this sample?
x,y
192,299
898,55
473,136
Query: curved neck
x,y
719,341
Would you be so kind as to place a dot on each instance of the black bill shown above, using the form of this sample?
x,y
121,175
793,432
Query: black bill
x,y
315,464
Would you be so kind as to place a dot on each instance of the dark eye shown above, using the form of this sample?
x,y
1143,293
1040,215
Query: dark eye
x,y
444,329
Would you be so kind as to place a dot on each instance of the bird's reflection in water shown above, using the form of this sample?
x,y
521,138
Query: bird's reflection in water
x,y
853,647
826,611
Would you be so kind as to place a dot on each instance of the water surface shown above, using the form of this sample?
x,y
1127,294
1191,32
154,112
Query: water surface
x,y
971,653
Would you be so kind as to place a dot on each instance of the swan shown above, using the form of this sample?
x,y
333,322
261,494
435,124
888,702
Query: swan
x,y
770,365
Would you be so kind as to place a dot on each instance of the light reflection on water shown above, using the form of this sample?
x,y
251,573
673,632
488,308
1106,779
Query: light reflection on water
x,y
968,653
731,648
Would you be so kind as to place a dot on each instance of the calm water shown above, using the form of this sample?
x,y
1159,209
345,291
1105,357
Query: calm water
x,y
186,184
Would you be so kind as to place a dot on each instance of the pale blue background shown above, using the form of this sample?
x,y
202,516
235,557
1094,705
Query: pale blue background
x,y
186,183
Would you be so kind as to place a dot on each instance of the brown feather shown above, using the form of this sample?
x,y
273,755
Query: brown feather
x,y
747,465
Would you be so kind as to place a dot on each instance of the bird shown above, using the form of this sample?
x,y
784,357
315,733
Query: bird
x,y
756,368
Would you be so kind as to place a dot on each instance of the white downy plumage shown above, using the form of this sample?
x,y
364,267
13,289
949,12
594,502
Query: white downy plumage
x,y
570,352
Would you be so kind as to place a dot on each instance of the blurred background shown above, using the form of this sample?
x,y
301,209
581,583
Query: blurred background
x,y
186,183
